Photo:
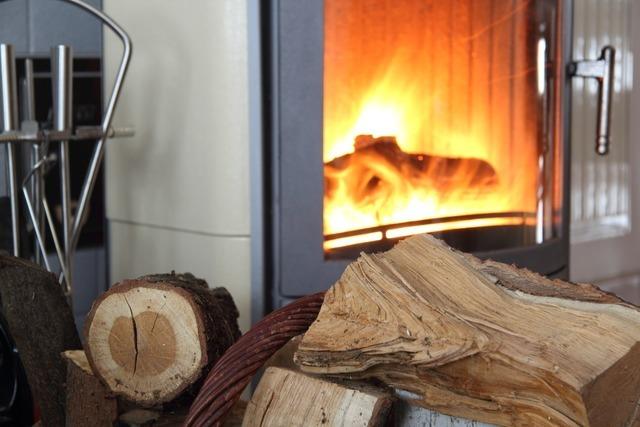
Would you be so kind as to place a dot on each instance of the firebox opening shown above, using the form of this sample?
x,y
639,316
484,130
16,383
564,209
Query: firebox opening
x,y
434,121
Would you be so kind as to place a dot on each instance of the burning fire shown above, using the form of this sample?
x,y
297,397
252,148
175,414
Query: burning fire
x,y
381,184
405,137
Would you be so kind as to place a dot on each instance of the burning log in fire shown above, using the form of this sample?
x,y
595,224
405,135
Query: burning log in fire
x,y
380,184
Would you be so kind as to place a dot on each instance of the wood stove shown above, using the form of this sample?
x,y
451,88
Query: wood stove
x,y
385,119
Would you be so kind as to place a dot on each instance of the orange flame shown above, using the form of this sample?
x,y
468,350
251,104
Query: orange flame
x,y
430,78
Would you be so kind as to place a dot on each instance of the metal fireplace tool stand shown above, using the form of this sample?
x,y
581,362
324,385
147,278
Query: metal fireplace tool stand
x,y
29,134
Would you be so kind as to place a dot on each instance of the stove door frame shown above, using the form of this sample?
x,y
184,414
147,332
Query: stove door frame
x,y
294,262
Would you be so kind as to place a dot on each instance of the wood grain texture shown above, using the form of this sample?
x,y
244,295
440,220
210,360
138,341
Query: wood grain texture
x,y
151,339
480,340
286,397
402,413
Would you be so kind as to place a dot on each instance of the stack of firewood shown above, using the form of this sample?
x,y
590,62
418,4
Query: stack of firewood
x,y
148,343
420,324
480,340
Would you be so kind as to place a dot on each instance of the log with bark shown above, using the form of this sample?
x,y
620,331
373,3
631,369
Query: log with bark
x,y
151,339
42,326
286,397
481,340
89,402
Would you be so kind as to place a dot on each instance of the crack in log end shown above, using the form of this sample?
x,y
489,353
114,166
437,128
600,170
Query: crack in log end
x,y
135,337
272,395
155,320
267,407
156,338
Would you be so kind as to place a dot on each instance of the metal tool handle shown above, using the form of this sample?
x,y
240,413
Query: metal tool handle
x,y
602,70
9,89
72,234
98,153
61,76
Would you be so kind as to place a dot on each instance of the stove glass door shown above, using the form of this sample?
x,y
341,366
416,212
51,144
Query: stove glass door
x,y
441,117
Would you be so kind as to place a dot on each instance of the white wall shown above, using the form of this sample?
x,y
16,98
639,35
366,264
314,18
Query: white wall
x,y
178,192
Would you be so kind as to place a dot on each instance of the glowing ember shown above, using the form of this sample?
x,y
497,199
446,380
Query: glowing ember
x,y
427,114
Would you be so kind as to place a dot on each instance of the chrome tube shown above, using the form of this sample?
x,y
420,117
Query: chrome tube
x,y
62,79
98,153
8,86
38,168
59,251
40,241
603,138
37,183
29,91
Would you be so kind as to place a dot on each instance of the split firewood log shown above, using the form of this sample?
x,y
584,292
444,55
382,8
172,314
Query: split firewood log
x,y
480,340
151,339
285,397
41,323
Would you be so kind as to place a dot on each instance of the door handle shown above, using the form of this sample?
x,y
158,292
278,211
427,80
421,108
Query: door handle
x,y
602,69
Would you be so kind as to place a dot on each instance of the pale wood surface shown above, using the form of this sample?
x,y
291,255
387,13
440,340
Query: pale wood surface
x,y
286,397
77,359
478,340
140,351
403,413
150,339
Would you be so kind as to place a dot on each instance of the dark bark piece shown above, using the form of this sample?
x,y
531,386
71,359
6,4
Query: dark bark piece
x,y
141,417
480,340
520,279
89,403
42,325
151,339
